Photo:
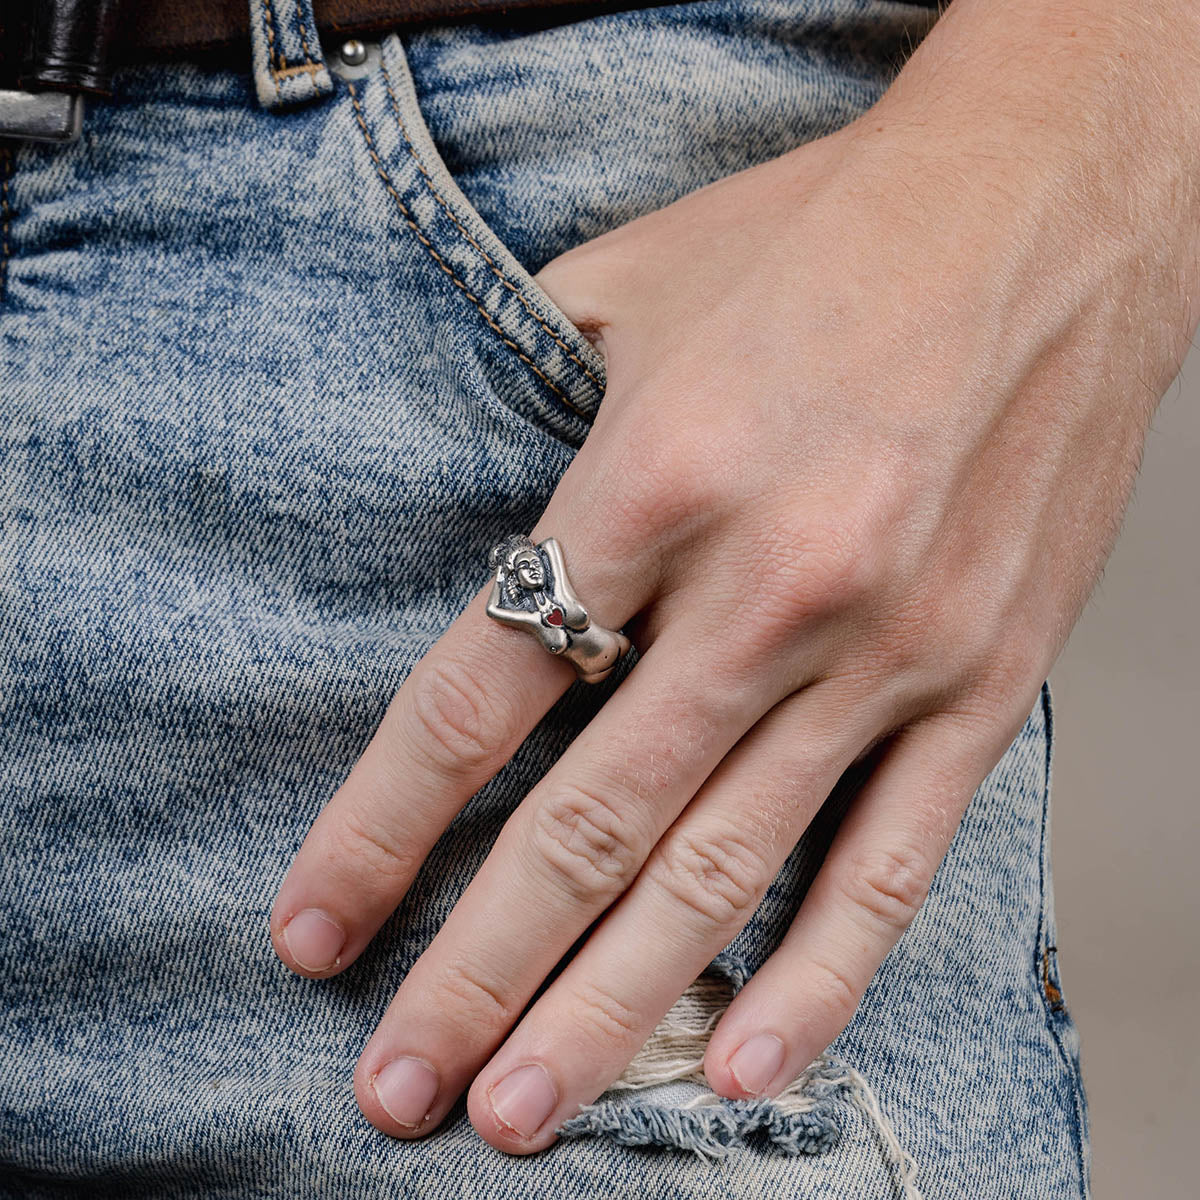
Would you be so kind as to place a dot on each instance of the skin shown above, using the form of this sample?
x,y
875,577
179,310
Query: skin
x,y
918,385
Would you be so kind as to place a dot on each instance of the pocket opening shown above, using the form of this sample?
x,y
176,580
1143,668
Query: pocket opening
x,y
564,372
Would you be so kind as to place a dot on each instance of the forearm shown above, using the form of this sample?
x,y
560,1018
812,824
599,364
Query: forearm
x,y
1058,142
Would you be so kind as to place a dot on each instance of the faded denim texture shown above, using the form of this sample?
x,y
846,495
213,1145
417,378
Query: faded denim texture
x,y
274,378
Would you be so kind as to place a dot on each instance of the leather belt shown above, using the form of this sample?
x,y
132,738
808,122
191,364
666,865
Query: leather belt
x,y
174,28
54,51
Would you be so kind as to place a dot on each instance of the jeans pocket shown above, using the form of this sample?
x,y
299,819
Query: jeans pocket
x,y
559,378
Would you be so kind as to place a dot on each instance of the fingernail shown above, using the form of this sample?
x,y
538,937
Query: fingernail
x,y
756,1062
523,1099
314,939
406,1088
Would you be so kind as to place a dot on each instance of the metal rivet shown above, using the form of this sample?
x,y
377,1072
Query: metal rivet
x,y
353,53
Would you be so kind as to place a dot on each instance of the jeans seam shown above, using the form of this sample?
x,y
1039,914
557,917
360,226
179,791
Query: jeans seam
x,y
308,58
1053,1010
273,58
7,167
280,68
496,270
381,171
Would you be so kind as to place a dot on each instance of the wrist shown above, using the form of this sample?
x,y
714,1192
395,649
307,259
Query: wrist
x,y
1036,243
1046,177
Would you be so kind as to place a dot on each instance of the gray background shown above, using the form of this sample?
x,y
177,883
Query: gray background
x,y
1126,823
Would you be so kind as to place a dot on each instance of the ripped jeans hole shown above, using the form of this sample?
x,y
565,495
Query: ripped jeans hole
x,y
663,1098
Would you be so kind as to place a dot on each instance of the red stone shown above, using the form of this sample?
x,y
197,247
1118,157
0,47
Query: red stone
x,y
555,617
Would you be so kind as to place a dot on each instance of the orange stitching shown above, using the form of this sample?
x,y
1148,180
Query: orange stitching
x,y
273,60
303,36
302,69
6,170
491,263
381,171
279,68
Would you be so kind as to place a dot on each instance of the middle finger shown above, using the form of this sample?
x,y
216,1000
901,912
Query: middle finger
x,y
569,850
702,883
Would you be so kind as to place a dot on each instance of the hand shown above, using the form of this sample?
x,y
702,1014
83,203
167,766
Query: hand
x,y
863,453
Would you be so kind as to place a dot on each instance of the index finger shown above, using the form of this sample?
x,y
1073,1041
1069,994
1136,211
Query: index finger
x,y
452,725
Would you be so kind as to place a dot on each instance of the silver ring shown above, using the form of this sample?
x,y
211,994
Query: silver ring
x,y
532,592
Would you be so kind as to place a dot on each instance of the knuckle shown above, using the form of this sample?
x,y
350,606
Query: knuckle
x,y
587,842
997,676
717,877
966,641
888,886
604,1017
836,568
459,726
806,572
945,636
905,642
368,851
478,999
832,992
650,483
667,496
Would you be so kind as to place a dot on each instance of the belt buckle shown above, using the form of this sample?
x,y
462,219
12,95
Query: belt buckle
x,y
41,116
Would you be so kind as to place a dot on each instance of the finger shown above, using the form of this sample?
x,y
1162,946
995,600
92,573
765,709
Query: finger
x,y
700,885
459,717
572,847
874,880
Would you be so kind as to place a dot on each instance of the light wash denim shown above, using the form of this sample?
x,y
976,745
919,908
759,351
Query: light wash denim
x,y
274,378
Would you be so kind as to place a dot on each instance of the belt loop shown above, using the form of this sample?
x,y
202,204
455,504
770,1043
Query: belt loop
x,y
289,67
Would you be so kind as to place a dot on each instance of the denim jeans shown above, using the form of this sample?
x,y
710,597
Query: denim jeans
x,y
275,375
